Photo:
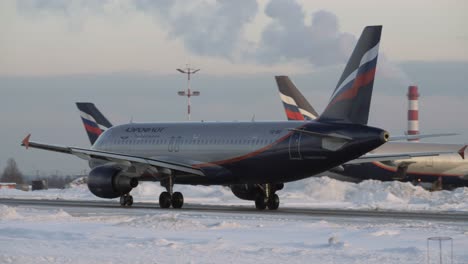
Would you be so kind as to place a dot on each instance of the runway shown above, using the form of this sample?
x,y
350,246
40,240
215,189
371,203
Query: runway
x,y
145,208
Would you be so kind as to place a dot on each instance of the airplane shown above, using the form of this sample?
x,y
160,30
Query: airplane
x,y
254,158
446,171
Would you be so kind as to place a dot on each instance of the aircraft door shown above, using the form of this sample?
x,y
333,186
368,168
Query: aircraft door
x,y
170,146
177,143
174,144
295,146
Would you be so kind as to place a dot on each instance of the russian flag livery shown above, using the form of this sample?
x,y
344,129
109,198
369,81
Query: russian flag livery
x,y
356,82
93,120
295,105
290,106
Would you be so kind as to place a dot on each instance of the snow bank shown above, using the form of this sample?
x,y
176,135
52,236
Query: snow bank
x,y
11,213
371,194
8,213
163,222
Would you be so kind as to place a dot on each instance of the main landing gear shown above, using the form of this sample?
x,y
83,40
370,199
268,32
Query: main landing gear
x,y
267,197
168,198
126,200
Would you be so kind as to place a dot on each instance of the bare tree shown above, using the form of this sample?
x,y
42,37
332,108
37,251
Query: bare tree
x,y
11,173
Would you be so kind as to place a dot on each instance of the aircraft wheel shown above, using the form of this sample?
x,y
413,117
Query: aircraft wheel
x,y
260,202
273,202
126,200
129,200
122,200
177,200
165,200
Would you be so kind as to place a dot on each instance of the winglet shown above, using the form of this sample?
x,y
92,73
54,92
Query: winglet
x,y
461,152
25,141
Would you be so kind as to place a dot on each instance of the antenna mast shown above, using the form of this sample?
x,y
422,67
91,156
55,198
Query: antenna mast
x,y
189,93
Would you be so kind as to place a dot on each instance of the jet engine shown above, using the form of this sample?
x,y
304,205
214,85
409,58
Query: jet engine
x,y
108,182
250,191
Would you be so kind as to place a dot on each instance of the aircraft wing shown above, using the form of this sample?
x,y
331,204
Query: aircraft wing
x,y
112,156
399,156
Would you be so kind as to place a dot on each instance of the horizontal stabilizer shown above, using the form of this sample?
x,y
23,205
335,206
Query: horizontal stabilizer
x,y
419,136
399,156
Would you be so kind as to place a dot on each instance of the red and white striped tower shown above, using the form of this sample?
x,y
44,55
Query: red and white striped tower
x,y
413,111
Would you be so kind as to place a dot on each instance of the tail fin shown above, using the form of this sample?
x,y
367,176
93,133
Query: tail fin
x,y
351,99
94,122
295,104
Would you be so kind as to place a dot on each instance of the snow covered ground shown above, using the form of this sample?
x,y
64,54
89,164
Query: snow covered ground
x,y
84,235
31,234
320,192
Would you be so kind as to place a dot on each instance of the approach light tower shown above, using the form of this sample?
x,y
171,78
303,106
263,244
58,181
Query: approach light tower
x,y
189,93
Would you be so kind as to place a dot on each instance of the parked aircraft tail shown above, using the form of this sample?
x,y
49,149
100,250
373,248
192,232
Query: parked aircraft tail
x,y
295,104
93,120
351,99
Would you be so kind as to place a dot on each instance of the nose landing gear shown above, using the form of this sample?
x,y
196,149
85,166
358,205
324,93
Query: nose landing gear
x,y
126,200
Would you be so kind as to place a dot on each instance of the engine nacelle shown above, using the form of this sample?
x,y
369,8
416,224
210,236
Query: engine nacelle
x,y
108,182
250,191
245,191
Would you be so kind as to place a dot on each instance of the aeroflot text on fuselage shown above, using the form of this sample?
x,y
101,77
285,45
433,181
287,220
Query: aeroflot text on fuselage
x,y
145,129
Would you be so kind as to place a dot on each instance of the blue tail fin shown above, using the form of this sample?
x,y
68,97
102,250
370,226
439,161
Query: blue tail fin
x,y
351,99
295,104
94,122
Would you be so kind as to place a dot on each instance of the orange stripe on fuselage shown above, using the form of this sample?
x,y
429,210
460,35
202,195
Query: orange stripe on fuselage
x,y
246,156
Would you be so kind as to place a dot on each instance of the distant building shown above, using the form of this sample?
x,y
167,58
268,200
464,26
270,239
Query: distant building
x,y
39,185
7,185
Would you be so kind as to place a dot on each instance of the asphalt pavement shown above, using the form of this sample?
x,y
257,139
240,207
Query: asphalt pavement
x,y
247,210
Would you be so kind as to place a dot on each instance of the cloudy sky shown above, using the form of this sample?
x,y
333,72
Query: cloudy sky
x,y
122,55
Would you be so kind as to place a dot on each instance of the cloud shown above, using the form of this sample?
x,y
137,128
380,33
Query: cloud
x,y
206,28
75,11
390,70
217,29
288,37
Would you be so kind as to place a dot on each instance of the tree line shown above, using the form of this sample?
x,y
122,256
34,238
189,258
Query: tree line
x,y
12,174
